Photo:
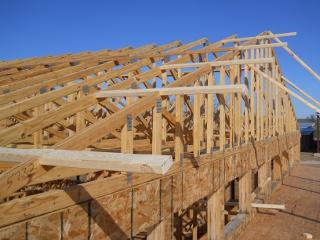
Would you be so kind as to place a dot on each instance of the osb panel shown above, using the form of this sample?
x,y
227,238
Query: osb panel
x,y
111,216
146,206
216,177
253,158
45,227
177,191
238,164
166,224
222,172
206,179
13,232
75,222
244,156
229,168
261,153
289,141
166,196
221,200
282,144
273,149
166,206
191,188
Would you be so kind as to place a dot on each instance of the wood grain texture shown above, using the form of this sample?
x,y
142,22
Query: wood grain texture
x,y
206,176
191,187
146,206
45,227
13,232
111,216
75,222
230,170
177,191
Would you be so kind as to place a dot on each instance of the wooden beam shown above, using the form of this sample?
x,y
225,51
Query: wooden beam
x,y
143,163
273,206
173,91
218,63
260,37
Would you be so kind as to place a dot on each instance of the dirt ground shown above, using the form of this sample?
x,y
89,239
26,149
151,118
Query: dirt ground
x,y
301,195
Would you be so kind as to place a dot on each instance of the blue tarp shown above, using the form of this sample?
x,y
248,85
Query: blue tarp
x,y
307,131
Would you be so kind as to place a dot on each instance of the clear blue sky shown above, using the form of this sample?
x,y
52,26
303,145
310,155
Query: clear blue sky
x,y
39,28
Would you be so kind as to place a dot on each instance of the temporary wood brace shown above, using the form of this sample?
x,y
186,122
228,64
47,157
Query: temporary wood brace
x,y
217,63
269,206
261,37
173,91
141,163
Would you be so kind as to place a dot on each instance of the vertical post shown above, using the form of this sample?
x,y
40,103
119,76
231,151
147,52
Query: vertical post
x,y
246,110
127,131
215,215
245,193
277,168
179,128
231,109
253,101
209,114
156,128
37,136
194,225
196,126
222,120
80,118
165,106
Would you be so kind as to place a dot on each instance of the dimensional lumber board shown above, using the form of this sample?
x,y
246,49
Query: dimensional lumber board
x,y
97,160
172,91
111,216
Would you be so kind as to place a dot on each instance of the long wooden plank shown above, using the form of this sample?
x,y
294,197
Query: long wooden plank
x,y
173,91
218,63
261,37
270,206
159,164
